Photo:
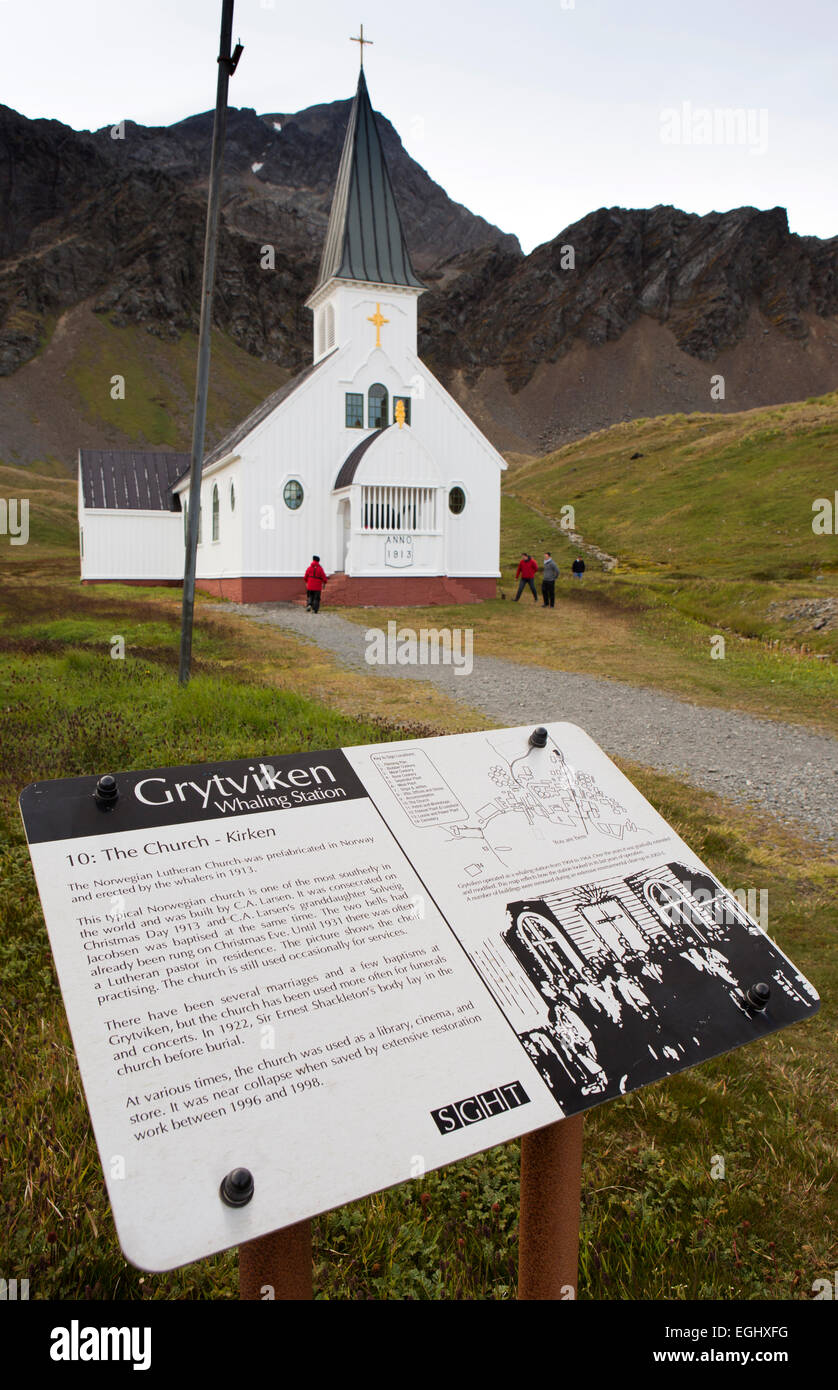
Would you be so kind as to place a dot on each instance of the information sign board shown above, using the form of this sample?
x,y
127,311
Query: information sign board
x,y
339,970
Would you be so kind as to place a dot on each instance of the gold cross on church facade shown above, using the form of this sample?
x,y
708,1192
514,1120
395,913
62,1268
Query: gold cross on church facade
x,y
378,319
362,41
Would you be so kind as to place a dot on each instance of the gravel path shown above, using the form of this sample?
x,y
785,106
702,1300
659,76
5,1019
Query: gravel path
x,y
782,768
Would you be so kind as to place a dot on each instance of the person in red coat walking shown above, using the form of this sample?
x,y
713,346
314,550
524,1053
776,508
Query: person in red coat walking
x,y
315,579
525,574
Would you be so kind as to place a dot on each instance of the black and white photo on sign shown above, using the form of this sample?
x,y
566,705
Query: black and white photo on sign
x,y
639,977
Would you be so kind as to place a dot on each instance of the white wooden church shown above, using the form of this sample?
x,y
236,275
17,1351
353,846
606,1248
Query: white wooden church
x,y
363,459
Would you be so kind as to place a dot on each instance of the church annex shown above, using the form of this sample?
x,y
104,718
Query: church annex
x,y
363,458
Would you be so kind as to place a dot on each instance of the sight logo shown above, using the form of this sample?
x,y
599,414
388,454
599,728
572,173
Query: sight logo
x,y
430,646
482,1106
77,1343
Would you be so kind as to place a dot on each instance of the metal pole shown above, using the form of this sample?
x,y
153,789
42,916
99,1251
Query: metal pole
x,y
226,66
277,1266
551,1194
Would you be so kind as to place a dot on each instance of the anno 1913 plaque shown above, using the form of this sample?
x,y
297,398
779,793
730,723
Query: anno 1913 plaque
x,y
339,970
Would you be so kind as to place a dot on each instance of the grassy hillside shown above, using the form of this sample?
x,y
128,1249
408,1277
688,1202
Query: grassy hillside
x,y
160,383
724,496
53,524
62,399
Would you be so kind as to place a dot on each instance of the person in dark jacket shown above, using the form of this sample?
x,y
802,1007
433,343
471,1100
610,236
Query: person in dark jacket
x,y
550,574
525,573
315,579
578,567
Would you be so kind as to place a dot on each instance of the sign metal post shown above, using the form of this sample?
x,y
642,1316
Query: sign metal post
x,y
551,1196
227,64
277,1266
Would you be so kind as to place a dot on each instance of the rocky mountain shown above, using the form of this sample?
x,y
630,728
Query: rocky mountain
x,y
631,312
625,313
118,217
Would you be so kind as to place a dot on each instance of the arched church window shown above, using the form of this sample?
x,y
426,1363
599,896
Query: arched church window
x,y
292,494
377,406
354,410
216,512
232,497
456,500
329,317
185,522
320,333
545,942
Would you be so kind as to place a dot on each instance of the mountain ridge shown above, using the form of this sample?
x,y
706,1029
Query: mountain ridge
x,y
538,349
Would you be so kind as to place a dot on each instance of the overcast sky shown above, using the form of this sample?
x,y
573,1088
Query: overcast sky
x,y
532,114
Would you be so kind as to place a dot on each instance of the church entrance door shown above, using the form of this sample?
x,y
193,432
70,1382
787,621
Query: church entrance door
x,y
343,534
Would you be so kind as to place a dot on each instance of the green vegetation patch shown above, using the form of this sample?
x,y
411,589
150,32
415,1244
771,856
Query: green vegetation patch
x,y
705,494
159,383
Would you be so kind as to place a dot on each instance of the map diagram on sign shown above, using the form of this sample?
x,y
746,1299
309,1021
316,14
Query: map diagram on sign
x,y
525,811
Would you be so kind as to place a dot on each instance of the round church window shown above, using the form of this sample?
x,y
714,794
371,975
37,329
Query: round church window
x,y
456,500
292,494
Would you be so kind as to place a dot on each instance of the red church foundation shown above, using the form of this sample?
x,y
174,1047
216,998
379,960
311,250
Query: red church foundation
x,y
344,591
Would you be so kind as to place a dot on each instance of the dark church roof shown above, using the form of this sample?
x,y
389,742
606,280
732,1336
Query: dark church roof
x,y
262,411
365,240
128,480
349,467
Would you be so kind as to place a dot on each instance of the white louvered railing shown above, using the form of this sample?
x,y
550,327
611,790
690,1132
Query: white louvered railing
x,y
385,507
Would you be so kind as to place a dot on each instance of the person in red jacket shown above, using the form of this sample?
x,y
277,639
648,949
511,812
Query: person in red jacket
x,y
525,574
315,579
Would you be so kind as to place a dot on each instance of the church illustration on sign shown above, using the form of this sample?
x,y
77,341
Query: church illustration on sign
x,y
363,458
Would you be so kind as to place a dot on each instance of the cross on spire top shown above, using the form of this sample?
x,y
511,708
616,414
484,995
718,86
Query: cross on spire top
x,y
361,41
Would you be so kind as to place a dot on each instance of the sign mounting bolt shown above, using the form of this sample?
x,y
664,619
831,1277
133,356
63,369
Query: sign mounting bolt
x,y
237,1188
107,792
538,738
757,997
